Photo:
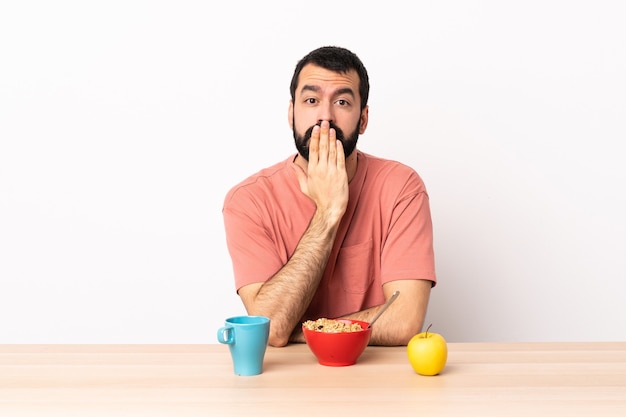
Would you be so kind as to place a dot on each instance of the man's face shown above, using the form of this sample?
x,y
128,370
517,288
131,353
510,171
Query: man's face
x,y
326,95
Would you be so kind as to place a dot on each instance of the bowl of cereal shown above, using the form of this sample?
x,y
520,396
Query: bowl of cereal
x,y
336,342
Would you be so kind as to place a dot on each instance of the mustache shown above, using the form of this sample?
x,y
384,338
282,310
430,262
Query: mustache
x,y
338,131
349,143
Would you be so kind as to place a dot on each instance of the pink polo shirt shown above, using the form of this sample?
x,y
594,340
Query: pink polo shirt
x,y
385,235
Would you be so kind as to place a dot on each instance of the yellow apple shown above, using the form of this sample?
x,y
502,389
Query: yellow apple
x,y
427,352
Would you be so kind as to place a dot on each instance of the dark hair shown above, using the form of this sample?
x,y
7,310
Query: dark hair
x,y
335,59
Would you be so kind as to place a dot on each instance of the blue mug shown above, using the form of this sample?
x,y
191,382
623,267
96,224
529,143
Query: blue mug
x,y
247,337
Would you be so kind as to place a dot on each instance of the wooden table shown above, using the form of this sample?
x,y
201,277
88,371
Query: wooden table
x,y
486,379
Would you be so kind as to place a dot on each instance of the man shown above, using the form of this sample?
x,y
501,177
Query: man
x,y
332,232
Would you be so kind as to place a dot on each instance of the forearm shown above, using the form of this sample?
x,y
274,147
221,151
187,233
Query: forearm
x,y
390,329
286,296
404,318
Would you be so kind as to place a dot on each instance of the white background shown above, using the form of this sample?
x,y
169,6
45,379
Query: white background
x,y
124,123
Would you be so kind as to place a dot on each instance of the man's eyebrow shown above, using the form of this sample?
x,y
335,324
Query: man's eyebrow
x,y
309,87
317,89
346,90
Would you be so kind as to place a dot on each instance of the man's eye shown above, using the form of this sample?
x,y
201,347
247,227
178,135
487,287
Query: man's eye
x,y
310,101
342,102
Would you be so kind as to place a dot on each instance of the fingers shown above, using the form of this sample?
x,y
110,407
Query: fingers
x,y
326,181
339,155
323,142
332,146
323,145
314,143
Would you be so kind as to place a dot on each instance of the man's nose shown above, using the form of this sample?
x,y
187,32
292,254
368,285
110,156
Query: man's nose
x,y
326,113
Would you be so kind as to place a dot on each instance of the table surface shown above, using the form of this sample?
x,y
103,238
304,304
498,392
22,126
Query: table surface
x,y
487,379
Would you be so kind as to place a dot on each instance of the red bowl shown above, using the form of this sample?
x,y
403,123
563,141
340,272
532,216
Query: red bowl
x,y
338,349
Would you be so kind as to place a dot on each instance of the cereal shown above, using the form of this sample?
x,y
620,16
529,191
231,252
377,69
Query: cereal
x,y
331,326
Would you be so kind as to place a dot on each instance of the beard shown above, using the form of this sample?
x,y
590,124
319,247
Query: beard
x,y
349,143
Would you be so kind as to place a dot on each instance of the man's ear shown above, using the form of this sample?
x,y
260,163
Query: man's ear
x,y
364,119
290,114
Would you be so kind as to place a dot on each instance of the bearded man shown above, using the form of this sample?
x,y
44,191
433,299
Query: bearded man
x,y
332,232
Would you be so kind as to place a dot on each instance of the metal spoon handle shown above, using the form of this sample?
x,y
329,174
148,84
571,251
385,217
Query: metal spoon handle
x,y
382,310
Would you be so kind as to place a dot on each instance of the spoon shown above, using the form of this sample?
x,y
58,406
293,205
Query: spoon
x,y
382,310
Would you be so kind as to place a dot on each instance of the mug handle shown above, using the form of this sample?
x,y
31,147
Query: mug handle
x,y
229,339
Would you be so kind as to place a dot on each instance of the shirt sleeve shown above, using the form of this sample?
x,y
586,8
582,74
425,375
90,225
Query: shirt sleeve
x,y
251,249
408,249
